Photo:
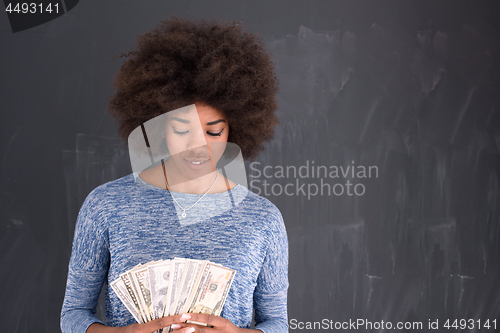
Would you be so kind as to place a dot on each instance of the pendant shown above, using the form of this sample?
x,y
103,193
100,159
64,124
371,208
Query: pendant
x,y
183,214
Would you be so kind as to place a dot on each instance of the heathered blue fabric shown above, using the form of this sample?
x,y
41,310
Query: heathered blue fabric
x,y
128,221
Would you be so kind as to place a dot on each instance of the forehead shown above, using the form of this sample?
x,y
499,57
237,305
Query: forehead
x,y
196,113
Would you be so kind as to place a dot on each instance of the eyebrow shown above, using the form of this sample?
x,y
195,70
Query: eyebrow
x,y
185,121
216,122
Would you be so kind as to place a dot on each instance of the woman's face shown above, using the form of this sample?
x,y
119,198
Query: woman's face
x,y
196,140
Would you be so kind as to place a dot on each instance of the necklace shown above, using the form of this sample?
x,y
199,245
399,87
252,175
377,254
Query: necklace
x,y
178,204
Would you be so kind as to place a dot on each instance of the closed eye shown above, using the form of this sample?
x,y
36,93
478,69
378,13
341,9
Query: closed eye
x,y
187,131
180,132
215,134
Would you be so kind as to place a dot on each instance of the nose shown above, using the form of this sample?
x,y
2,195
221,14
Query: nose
x,y
197,141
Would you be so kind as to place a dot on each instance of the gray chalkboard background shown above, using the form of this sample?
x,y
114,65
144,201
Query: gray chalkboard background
x,y
409,90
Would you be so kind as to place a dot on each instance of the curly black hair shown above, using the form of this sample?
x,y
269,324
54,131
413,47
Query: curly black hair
x,y
182,62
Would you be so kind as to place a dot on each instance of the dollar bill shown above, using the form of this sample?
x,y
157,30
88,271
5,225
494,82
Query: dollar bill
x,y
130,290
171,287
119,288
191,275
140,283
159,277
176,275
212,290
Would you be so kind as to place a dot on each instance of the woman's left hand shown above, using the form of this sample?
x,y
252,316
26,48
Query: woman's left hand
x,y
219,325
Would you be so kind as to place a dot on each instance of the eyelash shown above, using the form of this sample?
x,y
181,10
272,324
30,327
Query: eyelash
x,y
209,133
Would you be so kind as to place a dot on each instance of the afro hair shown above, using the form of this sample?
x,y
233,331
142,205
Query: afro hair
x,y
182,62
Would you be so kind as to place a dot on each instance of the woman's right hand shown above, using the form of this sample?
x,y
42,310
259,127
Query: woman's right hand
x,y
149,327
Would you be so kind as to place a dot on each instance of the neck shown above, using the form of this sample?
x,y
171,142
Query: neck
x,y
178,183
156,177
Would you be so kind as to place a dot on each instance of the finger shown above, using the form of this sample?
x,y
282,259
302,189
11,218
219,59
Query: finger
x,y
214,321
189,323
186,329
157,324
197,323
178,328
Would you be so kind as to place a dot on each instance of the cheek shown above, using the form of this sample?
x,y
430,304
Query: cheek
x,y
217,148
174,143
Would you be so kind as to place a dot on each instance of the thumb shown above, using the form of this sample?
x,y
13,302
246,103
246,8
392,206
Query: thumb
x,y
160,323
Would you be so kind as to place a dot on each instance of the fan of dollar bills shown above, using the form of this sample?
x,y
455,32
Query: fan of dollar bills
x,y
171,287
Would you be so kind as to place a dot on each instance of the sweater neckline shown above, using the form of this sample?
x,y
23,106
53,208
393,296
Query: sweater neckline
x,y
142,183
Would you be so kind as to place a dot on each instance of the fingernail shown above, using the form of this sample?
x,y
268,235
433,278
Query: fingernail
x,y
186,316
175,326
191,329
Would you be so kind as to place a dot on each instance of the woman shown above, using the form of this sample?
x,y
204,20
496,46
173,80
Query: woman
x,y
220,82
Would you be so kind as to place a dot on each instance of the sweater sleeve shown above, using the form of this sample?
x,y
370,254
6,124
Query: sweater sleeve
x,y
270,296
87,270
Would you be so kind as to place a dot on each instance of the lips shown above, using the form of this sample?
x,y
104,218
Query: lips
x,y
197,160
196,163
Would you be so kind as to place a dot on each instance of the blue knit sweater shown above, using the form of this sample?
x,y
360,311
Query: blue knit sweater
x,y
128,221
